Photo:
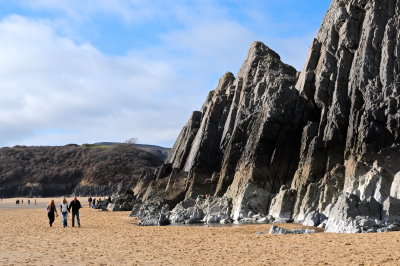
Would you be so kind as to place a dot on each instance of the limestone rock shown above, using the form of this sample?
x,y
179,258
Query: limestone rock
x,y
395,188
187,211
123,200
216,209
314,219
283,203
151,213
207,210
276,230
391,210
352,215
390,228
102,205
351,80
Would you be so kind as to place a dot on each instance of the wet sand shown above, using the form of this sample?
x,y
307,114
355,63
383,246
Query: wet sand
x,y
112,238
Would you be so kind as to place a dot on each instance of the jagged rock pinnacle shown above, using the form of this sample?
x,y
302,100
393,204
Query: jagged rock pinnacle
x,y
325,153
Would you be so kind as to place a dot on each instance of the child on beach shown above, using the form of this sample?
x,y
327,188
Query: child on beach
x,y
64,212
51,210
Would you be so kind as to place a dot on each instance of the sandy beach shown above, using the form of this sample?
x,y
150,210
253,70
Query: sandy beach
x,y
112,238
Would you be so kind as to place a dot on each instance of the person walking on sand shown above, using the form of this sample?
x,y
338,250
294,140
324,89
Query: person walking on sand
x,y
90,201
64,212
75,205
51,210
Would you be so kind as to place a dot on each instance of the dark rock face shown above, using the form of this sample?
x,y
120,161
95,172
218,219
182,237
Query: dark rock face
x,y
202,210
189,211
320,147
151,213
243,141
123,200
351,77
283,203
102,190
102,205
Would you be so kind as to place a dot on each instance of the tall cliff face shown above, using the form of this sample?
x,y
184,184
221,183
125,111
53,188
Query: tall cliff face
x,y
245,134
352,77
292,145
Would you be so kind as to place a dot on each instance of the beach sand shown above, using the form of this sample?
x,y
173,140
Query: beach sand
x,y
112,238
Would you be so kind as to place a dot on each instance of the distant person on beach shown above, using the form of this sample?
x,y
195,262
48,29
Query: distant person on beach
x,y
75,205
29,202
90,201
51,212
64,212
35,201
94,203
17,202
22,201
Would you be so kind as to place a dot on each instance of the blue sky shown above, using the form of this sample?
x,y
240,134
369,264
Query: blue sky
x,y
83,71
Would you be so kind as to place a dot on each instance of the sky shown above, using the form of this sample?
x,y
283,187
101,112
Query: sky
x,y
86,71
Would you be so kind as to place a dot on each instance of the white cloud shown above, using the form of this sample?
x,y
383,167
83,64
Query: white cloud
x,y
48,82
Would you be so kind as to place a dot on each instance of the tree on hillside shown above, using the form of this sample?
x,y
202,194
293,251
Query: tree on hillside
x,y
131,140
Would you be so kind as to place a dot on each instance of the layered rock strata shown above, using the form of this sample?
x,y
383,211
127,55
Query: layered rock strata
x,y
350,156
245,134
320,147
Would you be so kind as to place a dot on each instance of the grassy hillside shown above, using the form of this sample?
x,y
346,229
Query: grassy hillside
x,y
59,169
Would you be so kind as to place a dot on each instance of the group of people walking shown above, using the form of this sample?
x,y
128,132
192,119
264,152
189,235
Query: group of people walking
x,y
22,201
92,202
73,208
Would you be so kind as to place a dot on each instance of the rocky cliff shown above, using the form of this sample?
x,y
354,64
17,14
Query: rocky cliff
x,y
350,155
320,147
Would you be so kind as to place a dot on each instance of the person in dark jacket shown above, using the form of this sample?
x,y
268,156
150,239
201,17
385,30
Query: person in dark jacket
x,y
51,210
74,207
